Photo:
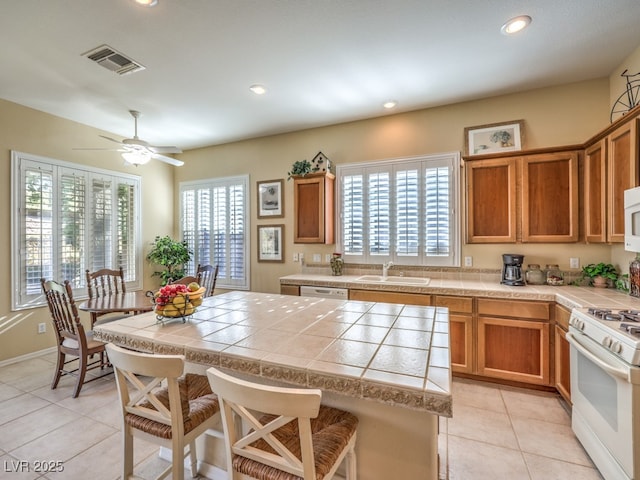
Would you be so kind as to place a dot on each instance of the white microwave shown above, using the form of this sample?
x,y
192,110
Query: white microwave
x,y
632,219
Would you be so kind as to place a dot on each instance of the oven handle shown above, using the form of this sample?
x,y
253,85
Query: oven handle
x,y
623,372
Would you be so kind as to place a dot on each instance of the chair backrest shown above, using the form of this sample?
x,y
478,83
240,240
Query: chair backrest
x,y
185,280
238,398
64,312
208,276
105,282
138,376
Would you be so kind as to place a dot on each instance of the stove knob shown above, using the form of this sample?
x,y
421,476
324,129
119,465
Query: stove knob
x,y
616,347
607,341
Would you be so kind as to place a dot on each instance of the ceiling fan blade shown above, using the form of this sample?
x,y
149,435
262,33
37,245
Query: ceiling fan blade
x,y
112,139
167,149
101,149
169,160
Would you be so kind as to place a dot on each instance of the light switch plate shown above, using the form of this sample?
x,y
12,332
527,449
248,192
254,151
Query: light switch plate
x,y
468,261
574,262
295,257
317,258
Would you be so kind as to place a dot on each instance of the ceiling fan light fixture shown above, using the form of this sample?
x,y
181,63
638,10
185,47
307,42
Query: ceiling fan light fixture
x,y
136,158
147,3
515,25
258,89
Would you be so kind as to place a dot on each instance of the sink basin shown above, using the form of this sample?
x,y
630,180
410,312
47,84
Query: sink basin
x,y
394,279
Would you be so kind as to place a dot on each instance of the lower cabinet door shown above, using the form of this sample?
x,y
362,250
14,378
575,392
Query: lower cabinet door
x,y
461,338
515,350
562,365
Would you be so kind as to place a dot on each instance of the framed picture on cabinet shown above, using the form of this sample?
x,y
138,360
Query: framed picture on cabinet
x,y
270,200
494,138
271,243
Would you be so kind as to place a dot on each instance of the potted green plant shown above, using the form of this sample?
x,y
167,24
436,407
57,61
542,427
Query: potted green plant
x,y
600,274
170,254
301,168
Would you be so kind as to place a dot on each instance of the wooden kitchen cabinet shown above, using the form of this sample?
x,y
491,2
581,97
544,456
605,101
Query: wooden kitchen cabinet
x,y
550,197
460,330
513,340
313,199
290,290
562,365
491,201
390,297
610,168
529,197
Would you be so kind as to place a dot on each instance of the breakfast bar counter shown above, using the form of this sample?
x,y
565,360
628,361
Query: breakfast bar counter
x,y
388,364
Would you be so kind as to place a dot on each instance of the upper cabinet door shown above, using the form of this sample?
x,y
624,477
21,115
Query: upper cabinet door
x,y
491,201
623,174
550,197
595,193
314,208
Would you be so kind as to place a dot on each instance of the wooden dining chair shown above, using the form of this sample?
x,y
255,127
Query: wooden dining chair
x,y
71,337
294,437
162,406
104,282
186,280
208,276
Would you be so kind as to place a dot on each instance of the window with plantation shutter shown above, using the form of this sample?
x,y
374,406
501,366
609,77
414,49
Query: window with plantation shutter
x,y
214,220
68,218
402,210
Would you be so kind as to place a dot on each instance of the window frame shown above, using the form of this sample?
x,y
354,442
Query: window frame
x,y
20,298
449,159
222,281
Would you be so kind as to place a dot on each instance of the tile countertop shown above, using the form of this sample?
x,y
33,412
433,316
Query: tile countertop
x,y
393,354
568,296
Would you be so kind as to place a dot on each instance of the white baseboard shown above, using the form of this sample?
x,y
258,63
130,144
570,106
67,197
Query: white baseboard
x,y
28,356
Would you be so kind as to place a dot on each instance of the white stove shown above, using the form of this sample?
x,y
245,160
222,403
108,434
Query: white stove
x,y
617,330
605,388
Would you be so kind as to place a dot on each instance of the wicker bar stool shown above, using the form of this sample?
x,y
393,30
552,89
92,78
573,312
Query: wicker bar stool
x,y
172,417
295,437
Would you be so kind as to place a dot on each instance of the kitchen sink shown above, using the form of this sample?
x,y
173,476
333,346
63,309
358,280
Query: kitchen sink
x,y
394,279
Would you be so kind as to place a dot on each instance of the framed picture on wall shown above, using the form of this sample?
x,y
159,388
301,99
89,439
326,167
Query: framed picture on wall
x,y
494,138
271,243
270,200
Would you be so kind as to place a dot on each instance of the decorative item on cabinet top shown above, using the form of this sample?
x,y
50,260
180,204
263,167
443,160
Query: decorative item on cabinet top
x,y
494,138
319,164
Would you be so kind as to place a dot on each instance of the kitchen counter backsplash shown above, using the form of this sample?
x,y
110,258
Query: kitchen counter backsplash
x,y
464,282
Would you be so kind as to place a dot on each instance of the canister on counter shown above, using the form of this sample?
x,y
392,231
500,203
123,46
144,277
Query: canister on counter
x,y
555,277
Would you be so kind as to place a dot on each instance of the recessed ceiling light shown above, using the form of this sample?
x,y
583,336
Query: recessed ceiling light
x,y
258,89
389,104
515,25
147,3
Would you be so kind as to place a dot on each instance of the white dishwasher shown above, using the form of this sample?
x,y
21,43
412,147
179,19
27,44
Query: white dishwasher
x,y
324,292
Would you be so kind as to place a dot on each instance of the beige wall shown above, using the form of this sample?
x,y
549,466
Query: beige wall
x,y
27,130
553,116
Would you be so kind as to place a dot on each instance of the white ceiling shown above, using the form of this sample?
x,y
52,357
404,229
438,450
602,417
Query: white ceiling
x,y
322,61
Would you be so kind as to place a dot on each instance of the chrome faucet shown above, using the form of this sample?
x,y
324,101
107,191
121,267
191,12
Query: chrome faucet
x,y
385,268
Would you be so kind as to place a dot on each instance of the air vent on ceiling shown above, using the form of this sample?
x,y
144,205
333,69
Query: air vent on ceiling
x,y
113,60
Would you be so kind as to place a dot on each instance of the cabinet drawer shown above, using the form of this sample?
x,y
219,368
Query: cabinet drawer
x,y
454,304
290,290
514,308
562,317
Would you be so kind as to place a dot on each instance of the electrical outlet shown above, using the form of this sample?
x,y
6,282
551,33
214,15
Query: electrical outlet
x,y
295,257
574,262
301,257
42,327
317,258
468,261
327,257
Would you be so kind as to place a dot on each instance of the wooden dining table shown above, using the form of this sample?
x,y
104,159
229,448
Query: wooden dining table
x,y
128,302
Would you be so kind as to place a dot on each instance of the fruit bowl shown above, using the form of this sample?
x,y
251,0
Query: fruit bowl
x,y
177,301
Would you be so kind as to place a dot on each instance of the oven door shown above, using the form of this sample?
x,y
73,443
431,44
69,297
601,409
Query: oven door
x,y
605,392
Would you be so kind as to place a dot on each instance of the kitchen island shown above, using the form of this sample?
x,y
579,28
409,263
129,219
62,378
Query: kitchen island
x,y
388,364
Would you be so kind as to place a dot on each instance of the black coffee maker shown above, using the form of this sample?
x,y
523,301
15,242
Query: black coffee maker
x,y
512,269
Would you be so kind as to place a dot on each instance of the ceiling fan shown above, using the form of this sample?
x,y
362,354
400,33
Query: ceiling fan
x,y
138,152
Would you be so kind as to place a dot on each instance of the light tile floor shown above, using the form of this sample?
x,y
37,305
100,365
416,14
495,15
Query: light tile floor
x,y
496,433
500,432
